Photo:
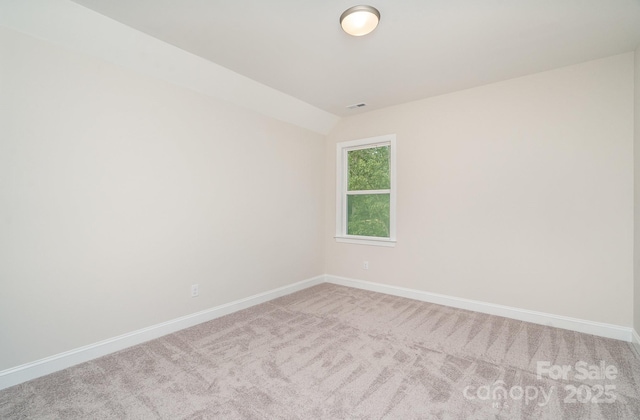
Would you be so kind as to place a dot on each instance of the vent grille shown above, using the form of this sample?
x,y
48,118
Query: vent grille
x,y
356,106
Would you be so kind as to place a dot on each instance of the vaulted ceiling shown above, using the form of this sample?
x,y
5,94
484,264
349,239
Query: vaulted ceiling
x,y
421,48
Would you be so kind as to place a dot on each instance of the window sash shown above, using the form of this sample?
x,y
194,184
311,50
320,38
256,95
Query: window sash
x,y
363,192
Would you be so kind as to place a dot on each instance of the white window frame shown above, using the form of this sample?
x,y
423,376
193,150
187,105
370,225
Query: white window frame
x,y
341,190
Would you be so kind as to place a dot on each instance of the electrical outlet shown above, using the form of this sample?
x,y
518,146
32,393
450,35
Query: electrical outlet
x,y
195,290
365,265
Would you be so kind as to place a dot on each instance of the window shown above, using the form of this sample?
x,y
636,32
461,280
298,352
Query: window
x,y
366,193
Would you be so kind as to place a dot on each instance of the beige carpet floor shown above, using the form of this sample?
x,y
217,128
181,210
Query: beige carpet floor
x,y
332,352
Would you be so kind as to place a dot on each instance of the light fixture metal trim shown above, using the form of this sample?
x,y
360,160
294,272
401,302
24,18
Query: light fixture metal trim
x,y
359,20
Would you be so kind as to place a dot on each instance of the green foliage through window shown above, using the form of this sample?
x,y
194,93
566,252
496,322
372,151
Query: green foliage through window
x,y
368,170
368,215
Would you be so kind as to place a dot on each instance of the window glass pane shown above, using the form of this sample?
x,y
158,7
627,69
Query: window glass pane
x,y
369,169
368,215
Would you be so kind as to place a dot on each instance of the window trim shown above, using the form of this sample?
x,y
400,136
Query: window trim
x,y
342,149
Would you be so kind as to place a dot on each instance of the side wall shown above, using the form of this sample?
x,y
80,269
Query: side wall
x,y
636,150
518,193
119,191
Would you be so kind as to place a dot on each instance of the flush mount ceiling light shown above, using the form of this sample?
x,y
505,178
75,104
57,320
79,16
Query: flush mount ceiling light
x,y
359,20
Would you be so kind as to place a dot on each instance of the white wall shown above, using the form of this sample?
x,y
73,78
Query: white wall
x,y
118,191
518,193
636,149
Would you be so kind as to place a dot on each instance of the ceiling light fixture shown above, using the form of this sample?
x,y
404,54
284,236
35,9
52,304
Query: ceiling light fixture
x,y
359,20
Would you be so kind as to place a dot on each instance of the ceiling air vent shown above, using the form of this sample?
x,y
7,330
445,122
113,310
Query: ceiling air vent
x,y
356,106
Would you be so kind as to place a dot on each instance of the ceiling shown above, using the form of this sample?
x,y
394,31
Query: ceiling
x,y
421,48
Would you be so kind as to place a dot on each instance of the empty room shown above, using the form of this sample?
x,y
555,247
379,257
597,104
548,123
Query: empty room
x,y
284,209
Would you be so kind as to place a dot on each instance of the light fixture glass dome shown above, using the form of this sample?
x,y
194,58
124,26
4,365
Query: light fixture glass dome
x,y
359,20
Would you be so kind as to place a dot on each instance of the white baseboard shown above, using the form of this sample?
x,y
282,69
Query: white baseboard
x,y
32,370
636,341
558,321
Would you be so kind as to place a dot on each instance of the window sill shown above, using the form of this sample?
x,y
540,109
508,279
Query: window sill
x,y
366,241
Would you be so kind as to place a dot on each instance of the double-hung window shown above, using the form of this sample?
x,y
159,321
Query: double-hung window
x,y
366,193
